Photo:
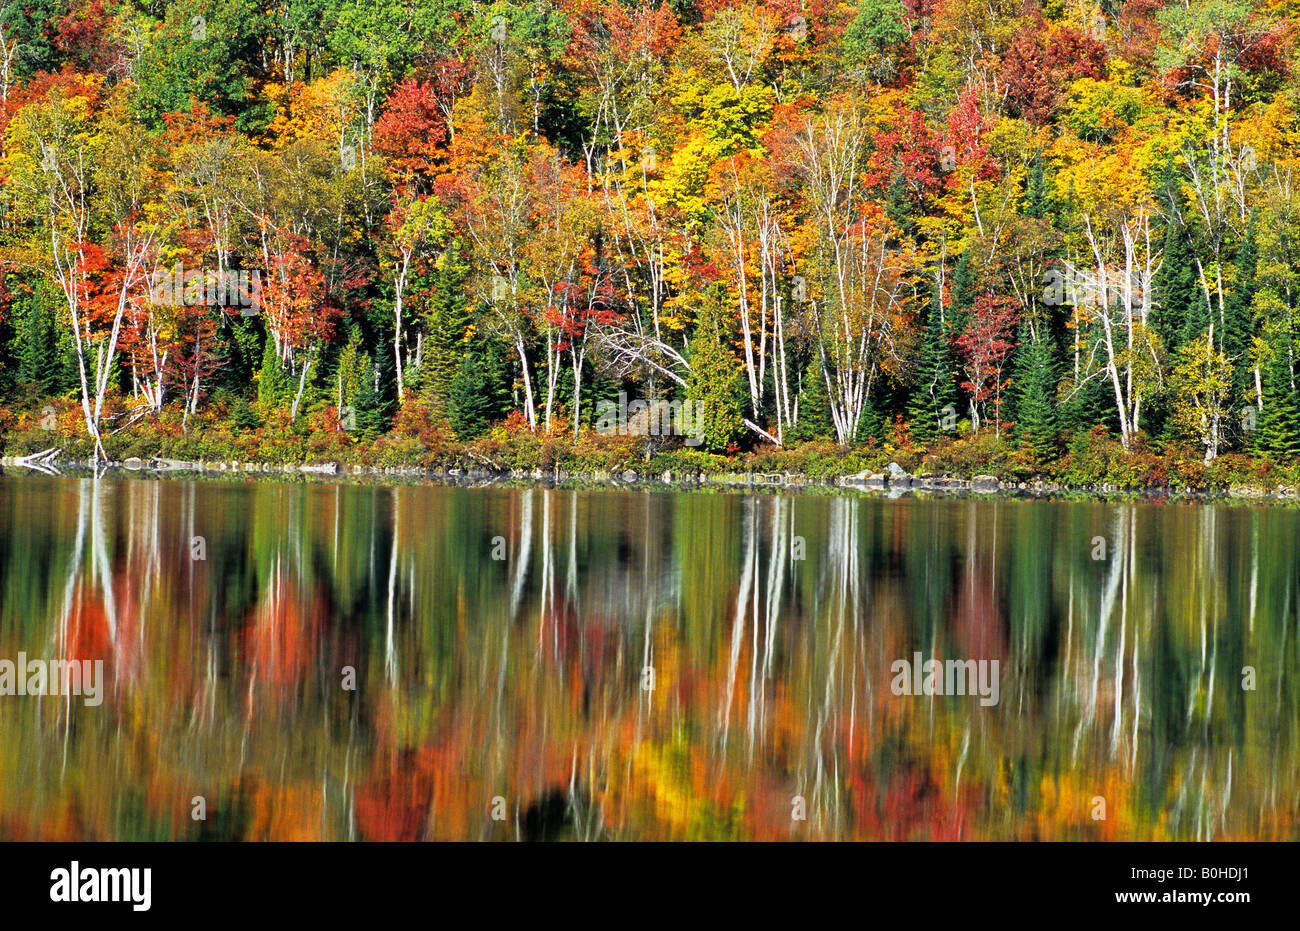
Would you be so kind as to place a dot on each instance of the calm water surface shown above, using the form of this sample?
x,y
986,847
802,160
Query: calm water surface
x,y
304,661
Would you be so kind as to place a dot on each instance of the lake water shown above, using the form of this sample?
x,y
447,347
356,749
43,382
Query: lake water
x,y
324,661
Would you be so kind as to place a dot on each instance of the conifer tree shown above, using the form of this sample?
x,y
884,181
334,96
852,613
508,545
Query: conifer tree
x,y
1277,429
714,381
448,319
814,407
935,387
478,394
1036,416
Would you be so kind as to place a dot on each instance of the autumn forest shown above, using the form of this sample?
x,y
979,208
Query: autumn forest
x,y
1018,237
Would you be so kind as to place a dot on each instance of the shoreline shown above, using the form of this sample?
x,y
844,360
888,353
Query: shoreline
x,y
894,483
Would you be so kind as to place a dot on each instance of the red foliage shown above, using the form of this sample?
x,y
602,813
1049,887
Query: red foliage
x,y
412,129
985,346
907,147
86,34
1038,69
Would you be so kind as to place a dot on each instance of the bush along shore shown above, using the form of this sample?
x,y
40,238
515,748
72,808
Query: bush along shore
x,y
212,442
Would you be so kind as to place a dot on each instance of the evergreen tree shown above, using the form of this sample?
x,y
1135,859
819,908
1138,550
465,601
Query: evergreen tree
x,y
447,321
1277,429
1036,416
935,388
714,381
478,394
368,404
898,207
964,292
274,386
36,340
1237,325
1179,312
1036,194
357,389
814,407
871,424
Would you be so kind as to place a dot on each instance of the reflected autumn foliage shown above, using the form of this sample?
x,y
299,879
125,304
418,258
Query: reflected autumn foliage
x,y
351,662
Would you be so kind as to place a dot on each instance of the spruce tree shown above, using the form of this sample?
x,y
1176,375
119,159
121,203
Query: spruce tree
x,y
935,388
964,292
1036,194
714,381
274,386
814,407
1178,312
1036,416
447,321
1237,323
478,394
37,341
1277,428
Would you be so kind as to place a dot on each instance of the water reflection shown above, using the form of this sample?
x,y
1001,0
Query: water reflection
x,y
330,661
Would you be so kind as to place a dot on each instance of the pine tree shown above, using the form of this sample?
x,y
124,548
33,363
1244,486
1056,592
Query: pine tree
x,y
1036,416
447,321
814,407
478,394
935,388
714,380
1277,429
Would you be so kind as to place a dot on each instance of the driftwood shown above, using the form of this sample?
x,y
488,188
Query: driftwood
x,y
42,461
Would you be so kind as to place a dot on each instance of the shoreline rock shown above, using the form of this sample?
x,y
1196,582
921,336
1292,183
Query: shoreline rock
x,y
894,483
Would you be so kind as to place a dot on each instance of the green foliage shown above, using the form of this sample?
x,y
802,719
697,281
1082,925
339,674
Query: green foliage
x,y
1036,416
1277,430
714,382
875,39
447,319
205,52
477,394
935,388
814,407
274,385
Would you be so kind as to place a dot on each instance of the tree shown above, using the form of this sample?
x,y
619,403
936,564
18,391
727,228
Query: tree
x,y
478,396
876,40
1277,430
985,345
1201,382
1036,416
935,389
714,381
814,421
81,172
447,319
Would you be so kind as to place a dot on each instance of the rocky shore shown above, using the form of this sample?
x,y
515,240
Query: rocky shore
x,y
894,481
